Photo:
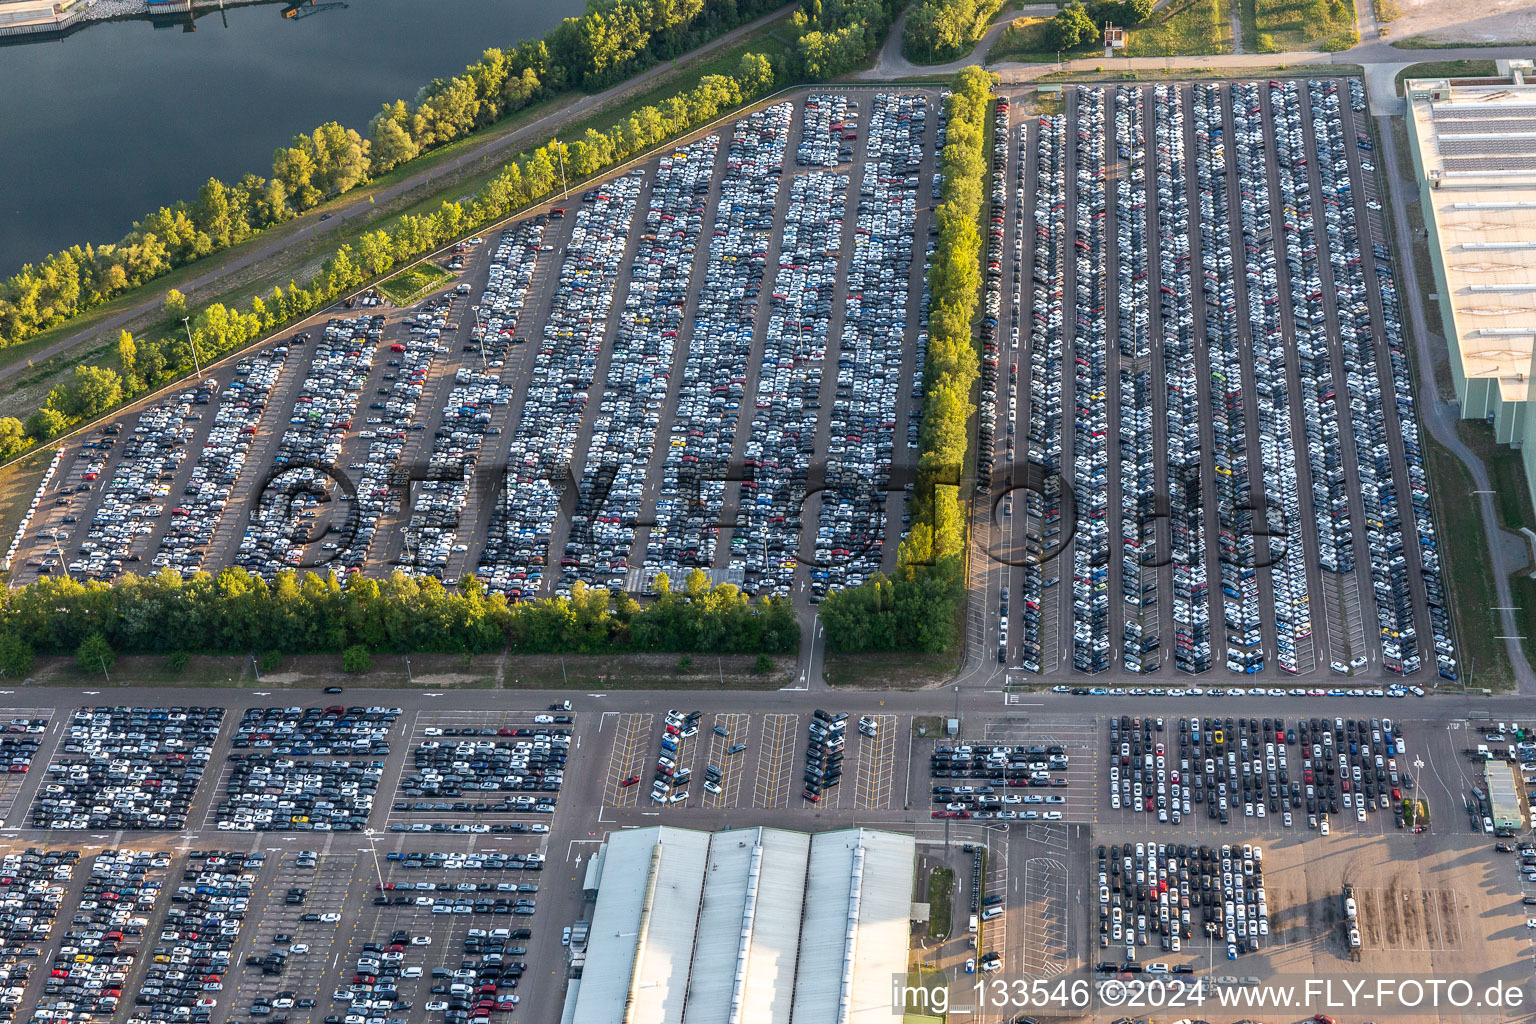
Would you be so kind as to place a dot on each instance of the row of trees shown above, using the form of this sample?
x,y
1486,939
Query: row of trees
x,y
234,612
611,41
916,611
942,30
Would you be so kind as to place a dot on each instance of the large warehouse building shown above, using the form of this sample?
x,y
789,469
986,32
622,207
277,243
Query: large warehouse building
x,y
1474,150
753,926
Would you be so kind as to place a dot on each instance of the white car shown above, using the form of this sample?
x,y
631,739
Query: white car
x,y
331,918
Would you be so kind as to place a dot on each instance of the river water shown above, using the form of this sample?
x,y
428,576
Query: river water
x,y
102,126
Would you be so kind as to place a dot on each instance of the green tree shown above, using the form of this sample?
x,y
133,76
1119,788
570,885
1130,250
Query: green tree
x,y
94,390
15,656
46,423
1072,27
95,654
356,660
175,305
127,352
13,439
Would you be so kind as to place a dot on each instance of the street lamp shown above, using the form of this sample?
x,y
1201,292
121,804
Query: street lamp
x,y
186,323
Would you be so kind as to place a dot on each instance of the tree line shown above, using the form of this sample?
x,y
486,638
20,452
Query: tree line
x,y
613,40
235,612
831,37
916,610
942,30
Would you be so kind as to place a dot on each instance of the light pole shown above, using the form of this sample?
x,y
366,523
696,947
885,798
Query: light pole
x,y
563,189
409,678
186,323
372,839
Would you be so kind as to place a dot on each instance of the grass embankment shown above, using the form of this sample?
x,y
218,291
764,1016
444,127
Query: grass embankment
x,y
895,670
1512,503
303,252
1281,26
1386,10
1026,41
1200,74
1184,27
941,889
591,673
1444,69
1464,565
413,283
1428,42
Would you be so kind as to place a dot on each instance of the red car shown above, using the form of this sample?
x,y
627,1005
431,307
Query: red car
x,y
630,781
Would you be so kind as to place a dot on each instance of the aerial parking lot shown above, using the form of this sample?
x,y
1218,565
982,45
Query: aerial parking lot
x,y
713,359
1201,276
336,860
704,361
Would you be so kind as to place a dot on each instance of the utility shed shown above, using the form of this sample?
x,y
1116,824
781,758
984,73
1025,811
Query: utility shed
x,y
1504,796
751,926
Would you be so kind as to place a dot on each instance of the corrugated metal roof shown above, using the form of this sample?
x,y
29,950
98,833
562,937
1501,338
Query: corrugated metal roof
x,y
626,925
824,927
884,930
666,934
770,983
725,921
747,927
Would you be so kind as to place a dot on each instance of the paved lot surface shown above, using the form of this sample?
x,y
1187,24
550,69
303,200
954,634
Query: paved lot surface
x,y
1440,903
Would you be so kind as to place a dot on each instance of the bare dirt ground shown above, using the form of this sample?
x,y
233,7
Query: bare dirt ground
x,y
1459,21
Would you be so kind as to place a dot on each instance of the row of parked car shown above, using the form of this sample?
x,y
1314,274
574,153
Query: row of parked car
x,y
1253,537
450,769
486,979
828,734
122,767
1090,437
393,414
830,128
264,794
138,489
202,926
782,444
1157,889
1042,412
691,498
97,955
1361,342
329,730
483,860
32,888
627,427
19,740
1226,408
991,338
1241,767
850,529
286,514
505,564
1141,639
670,785
1282,526
204,499
560,385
